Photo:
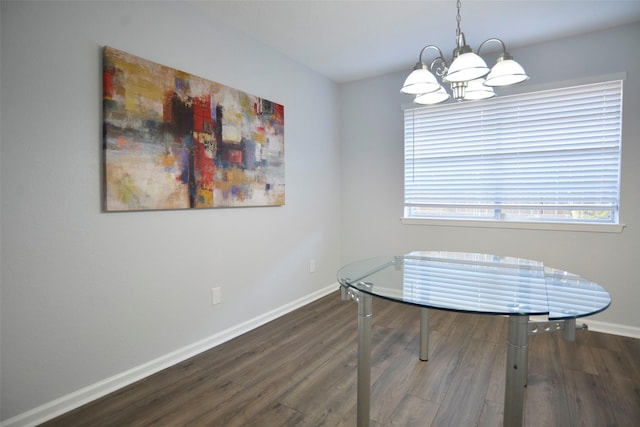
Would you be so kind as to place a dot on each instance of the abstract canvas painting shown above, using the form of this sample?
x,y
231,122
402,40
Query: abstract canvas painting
x,y
173,140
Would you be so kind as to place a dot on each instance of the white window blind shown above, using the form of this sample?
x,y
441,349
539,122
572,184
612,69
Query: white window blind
x,y
545,156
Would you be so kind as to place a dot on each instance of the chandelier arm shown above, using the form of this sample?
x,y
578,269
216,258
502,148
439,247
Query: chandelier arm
x,y
504,48
440,55
440,71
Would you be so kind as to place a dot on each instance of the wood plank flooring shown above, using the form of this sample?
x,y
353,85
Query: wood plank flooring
x,y
300,370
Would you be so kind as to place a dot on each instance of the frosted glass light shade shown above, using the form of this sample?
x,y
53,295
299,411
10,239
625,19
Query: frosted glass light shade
x,y
420,81
436,97
465,67
506,72
476,89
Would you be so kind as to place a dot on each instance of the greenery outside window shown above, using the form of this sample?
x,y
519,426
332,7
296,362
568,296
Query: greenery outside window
x,y
548,156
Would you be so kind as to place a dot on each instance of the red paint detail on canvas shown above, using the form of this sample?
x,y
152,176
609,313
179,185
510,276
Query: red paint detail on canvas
x,y
203,162
107,82
234,156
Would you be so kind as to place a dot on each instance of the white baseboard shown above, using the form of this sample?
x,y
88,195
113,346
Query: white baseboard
x,y
611,328
85,395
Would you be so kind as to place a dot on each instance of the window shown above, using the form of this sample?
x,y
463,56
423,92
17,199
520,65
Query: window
x,y
550,156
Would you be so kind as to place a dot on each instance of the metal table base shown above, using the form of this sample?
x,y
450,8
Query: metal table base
x,y
520,327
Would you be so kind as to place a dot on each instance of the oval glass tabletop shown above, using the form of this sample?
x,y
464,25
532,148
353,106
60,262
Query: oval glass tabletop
x,y
476,283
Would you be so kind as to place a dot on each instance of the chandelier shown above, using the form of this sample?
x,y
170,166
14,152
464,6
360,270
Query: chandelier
x,y
468,76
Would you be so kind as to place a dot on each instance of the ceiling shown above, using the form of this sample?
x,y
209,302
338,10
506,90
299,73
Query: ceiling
x,y
347,40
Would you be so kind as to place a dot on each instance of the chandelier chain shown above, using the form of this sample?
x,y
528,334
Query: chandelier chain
x,y
458,17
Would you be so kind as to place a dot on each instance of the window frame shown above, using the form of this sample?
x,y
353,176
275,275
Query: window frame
x,y
530,224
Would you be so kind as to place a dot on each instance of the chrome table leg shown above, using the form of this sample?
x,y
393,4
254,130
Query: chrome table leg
x,y
364,358
517,367
424,334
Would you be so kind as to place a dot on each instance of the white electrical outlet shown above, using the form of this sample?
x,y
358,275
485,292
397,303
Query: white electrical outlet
x,y
312,266
216,296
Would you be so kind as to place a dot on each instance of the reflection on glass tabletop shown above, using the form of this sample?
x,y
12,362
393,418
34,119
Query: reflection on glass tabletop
x,y
476,283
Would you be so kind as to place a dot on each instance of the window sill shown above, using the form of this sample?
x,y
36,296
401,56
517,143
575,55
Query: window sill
x,y
547,226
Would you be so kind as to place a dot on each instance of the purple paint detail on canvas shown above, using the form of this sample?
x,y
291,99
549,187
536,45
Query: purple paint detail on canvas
x,y
184,165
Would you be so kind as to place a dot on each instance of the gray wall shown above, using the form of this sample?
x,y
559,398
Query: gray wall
x,y
372,177
88,295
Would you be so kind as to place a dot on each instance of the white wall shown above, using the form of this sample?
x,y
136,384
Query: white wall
x,y
372,177
88,295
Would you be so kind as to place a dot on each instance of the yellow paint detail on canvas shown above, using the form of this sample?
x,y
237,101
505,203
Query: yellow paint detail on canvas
x,y
232,177
259,138
145,85
168,160
204,198
127,191
279,200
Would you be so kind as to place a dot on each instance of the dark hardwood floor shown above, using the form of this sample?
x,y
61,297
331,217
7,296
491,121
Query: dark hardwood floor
x,y
300,370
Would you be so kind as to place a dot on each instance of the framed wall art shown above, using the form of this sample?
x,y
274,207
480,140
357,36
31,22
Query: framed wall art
x,y
173,140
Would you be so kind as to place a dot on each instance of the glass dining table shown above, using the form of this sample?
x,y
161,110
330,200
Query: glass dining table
x,y
470,283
